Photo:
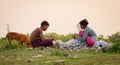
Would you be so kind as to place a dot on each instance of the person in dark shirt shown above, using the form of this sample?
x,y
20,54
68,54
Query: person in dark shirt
x,y
37,38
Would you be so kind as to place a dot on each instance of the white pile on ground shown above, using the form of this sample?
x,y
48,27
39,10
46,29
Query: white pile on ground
x,y
75,45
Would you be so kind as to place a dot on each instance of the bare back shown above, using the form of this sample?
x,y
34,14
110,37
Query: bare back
x,y
37,34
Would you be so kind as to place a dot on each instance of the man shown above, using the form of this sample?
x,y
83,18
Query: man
x,y
37,38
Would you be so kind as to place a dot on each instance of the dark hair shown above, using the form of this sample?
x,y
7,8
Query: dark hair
x,y
84,22
44,23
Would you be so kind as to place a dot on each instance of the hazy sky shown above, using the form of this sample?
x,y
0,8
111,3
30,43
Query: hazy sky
x,y
24,16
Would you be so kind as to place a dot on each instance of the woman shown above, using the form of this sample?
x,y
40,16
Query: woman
x,y
87,36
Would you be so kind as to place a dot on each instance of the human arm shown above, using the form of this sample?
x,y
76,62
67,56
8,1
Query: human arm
x,y
40,32
42,37
83,35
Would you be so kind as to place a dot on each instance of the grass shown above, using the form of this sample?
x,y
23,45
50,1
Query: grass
x,y
48,56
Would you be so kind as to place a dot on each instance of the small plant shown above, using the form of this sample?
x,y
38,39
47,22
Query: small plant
x,y
115,48
14,44
101,37
57,52
3,43
115,38
64,38
41,48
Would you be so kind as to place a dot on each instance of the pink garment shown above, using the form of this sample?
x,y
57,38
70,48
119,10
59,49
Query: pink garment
x,y
89,41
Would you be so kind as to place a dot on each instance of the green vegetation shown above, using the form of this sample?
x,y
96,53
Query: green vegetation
x,y
60,37
48,56
114,39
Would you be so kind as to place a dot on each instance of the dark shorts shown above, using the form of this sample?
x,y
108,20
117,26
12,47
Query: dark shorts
x,y
45,43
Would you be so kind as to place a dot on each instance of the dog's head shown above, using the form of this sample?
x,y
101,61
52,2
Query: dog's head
x,y
28,43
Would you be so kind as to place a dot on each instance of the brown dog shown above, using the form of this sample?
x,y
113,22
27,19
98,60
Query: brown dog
x,y
21,38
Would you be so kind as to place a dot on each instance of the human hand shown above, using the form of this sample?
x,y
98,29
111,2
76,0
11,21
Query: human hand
x,y
74,37
52,38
